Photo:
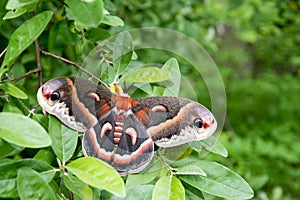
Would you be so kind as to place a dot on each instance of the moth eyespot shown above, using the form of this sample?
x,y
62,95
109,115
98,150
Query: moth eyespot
x,y
55,96
198,123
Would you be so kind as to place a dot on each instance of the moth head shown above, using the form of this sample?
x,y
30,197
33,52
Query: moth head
x,y
198,121
50,94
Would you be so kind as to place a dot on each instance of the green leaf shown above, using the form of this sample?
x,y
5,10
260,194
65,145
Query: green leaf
x,y
98,174
217,148
137,192
250,36
87,12
97,193
45,155
145,87
64,139
112,20
210,144
96,34
57,189
2,71
147,74
220,181
168,187
31,185
175,153
147,176
8,188
9,170
7,149
10,107
23,131
80,44
2,13
15,4
21,104
8,174
13,90
192,193
171,86
14,13
190,169
78,187
122,52
17,8
41,119
25,35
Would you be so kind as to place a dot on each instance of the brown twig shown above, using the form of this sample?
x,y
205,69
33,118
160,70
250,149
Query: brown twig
x,y
3,52
102,55
25,75
71,196
171,170
39,66
38,61
75,65
38,56
62,2
31,112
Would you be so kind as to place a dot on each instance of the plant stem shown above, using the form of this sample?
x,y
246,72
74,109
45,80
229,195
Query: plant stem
x,y
38,61
166,164
39,65
25,75
3,52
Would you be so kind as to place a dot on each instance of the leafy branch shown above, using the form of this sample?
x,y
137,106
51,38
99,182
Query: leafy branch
x,y
84,177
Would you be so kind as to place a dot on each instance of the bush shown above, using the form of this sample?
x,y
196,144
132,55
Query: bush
x,y
254,43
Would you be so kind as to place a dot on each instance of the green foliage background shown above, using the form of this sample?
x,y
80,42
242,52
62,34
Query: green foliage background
x,y
255,45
